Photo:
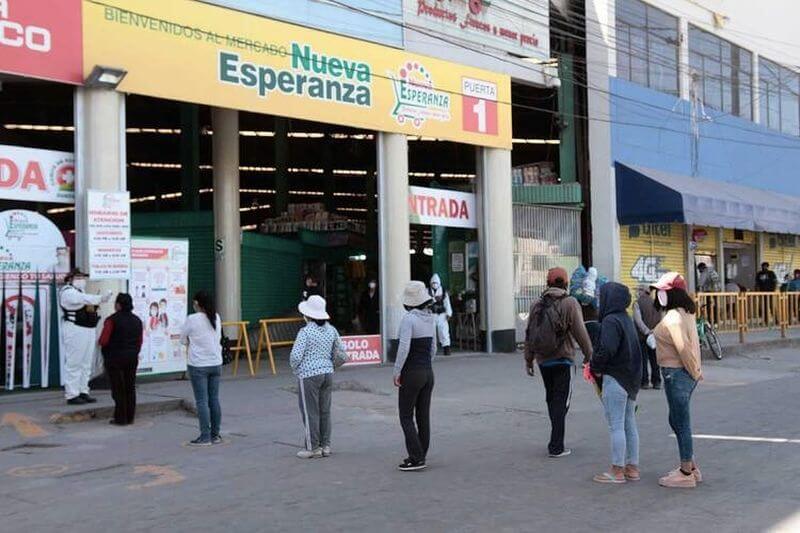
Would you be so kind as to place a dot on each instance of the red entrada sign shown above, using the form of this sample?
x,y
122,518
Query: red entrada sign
x,y
42,39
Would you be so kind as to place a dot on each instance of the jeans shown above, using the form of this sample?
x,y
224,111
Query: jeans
x,y
621,417
414,402
205,384
649,356
558,386
122,378
314,396
679,386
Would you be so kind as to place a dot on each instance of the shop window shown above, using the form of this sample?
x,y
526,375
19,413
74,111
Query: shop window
x,y
724,73
647,46
778,97
738,235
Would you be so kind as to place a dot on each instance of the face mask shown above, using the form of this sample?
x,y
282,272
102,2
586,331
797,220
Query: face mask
x,y
196,307
153,312
662,298
372,285
435,286
79,284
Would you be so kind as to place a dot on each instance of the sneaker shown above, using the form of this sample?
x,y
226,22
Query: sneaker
x,y
310,454
564,453
645,386
698,476
115,423
200,441
326,451
77,400
87,398
447,350
678,480
656,386
409,465
216,439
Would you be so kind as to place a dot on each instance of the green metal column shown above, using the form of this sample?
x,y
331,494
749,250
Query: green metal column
x,y
190,157
281,140
441,253
566,109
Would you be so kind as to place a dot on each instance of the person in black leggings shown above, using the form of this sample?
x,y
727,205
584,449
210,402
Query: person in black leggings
x,y
413,373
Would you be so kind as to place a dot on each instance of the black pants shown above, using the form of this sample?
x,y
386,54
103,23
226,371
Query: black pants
x,y
558,386
122,376
415,399
649,356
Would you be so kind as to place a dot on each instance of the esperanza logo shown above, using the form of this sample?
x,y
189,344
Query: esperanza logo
x,y
416,100
313,75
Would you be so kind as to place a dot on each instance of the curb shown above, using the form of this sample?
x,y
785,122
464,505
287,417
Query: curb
x,y
151,407
748,347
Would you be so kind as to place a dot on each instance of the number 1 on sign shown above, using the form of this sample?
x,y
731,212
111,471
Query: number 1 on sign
x,y
480,111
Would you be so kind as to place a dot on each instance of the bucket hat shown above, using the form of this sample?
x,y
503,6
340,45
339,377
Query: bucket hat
x,y
415,294
314,308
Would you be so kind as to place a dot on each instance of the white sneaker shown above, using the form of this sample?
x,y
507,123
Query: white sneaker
x,y
310,454
326,451
565,453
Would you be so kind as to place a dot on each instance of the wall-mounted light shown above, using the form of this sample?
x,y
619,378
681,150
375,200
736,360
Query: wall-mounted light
x,y
105,77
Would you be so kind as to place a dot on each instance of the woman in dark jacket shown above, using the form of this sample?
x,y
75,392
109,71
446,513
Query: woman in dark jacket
x,y
120,343
617,361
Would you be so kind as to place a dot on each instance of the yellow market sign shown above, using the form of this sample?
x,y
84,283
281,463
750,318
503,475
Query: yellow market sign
x,y
194,52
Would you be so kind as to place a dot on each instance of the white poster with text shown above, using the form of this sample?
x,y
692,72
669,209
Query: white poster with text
x,y
33,175
441,207
109,233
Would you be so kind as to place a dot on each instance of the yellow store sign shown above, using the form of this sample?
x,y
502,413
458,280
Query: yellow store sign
x,y
189,51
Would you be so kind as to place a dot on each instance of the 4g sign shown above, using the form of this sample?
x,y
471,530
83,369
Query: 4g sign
x,y
42,39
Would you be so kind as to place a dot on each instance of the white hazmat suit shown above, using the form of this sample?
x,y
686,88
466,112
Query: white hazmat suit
x,y
442,309
79,341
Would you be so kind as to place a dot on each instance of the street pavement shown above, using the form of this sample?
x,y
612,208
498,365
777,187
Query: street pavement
x,y
488,465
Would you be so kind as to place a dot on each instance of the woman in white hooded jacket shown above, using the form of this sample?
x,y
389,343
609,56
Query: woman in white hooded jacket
x,y
442,310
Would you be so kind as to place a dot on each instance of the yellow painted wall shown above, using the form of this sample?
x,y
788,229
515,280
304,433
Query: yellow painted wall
x,y
782,252
749,237
706,245
649,250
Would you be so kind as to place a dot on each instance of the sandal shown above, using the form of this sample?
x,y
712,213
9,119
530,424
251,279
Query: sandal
x,y
632,474
607,478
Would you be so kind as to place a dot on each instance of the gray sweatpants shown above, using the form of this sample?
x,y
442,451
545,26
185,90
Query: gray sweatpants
x,y
315,407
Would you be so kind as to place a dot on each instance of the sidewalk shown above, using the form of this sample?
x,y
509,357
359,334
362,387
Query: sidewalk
x,y
759,340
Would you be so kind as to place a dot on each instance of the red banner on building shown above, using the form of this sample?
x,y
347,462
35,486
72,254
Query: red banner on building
x,y
42,39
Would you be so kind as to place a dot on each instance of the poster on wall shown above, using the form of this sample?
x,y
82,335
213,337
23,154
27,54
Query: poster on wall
x,y
31,245
159,285
109,234
33,175
362,349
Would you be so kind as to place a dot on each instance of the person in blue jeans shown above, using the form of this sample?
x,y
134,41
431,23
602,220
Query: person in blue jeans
x,y
202,333
617,364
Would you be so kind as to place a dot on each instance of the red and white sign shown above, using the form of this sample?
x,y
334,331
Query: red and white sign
x,y
479,106
42,39
37,175
362,349
109,234
520,27
441,207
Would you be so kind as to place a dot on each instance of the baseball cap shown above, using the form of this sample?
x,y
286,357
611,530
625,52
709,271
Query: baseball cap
x,y
555,273
670,280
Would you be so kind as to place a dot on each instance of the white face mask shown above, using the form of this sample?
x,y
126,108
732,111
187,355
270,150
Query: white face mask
x,y
662,298
372,285
79,284
435,286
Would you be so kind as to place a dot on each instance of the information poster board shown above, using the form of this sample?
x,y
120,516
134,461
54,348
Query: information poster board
x,y
159,284
362,349
109,232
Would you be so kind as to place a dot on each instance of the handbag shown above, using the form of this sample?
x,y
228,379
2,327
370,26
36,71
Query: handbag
x,y
339,356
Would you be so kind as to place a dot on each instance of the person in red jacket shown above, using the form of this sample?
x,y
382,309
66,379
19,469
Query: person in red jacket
x,y
121,342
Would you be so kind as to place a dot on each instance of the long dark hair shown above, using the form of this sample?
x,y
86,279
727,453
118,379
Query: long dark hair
x,y
678,298
206,304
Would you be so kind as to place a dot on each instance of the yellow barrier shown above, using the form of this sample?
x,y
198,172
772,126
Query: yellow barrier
x,y
748,311
242,345
284,331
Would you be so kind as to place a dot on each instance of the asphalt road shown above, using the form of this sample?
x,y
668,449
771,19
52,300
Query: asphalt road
x,y
488,465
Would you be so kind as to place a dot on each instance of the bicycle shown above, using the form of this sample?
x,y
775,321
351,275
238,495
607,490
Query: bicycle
x,y
708,337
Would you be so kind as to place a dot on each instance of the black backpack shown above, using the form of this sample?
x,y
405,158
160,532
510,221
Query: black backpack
x,y
548,328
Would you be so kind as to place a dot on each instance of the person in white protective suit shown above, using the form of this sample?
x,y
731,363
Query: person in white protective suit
x,y
79,320
442,310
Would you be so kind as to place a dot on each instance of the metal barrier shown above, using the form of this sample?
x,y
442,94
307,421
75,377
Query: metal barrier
x,y
242,345
750,311
274,333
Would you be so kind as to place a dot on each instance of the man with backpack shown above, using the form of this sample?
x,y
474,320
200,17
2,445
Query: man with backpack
x,y
555,324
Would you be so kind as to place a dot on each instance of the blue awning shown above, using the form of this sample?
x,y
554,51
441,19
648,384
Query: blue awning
x,y
646,195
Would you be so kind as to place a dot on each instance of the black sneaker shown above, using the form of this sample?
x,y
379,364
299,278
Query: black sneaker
x,y
200,441
77,400
447,350
645,386
656,386
87,398
409,465
564,453
216,439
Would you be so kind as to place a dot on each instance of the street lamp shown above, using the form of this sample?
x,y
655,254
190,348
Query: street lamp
x,y
105,77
